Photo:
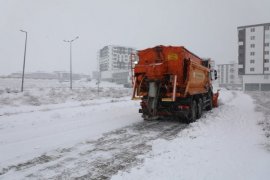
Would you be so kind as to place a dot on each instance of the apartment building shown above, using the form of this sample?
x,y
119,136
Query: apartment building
x,y
228,76
115,59
253,56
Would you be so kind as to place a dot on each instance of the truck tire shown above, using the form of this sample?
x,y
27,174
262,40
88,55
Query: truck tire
x,y
209,107
192,113
199,108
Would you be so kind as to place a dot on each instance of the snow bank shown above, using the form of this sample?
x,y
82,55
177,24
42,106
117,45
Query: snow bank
x,y
40,92
224,144
27,135
14,84
262,100
48,115
37,97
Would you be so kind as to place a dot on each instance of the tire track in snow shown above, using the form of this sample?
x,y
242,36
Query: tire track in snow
x,y
101,158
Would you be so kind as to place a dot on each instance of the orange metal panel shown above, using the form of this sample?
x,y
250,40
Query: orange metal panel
x,y
155,63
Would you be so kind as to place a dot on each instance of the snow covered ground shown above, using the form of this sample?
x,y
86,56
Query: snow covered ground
x,y
77,134
262,100
40,92
14,84
226,144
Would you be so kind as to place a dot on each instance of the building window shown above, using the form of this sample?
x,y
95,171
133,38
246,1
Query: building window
x,y
252,53
252,30
252,69
266,44
266,68
266,61
267,27
252,45
252,61
252,37
240,43
266,52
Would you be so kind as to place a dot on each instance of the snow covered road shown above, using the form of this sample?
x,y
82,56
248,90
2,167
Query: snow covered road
x,y
226,144
29,134
106,138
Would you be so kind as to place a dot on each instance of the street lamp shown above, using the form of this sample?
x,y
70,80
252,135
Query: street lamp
x,y
70,56
24,58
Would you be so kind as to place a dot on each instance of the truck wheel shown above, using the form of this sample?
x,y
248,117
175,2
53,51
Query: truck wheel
x,y
199,108
193,112
210,105
145,117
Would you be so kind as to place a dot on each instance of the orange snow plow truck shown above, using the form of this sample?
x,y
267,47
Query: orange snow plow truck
x,y
172,81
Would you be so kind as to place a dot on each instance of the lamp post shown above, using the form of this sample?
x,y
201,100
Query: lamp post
x,y
70,56
24,58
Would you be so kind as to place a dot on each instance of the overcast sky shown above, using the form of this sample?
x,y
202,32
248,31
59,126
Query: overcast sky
x,y
206,27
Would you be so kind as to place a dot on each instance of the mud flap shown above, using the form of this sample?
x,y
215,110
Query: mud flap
x,y
215,99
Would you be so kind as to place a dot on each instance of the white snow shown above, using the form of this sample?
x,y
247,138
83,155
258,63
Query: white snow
x,y
26,135
40,92
45,118
15,83
226,144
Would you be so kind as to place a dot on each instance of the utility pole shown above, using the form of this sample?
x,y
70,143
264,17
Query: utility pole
x,y
24,58
70,57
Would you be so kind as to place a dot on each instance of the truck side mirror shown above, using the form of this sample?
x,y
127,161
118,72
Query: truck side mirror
x,y
215,72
